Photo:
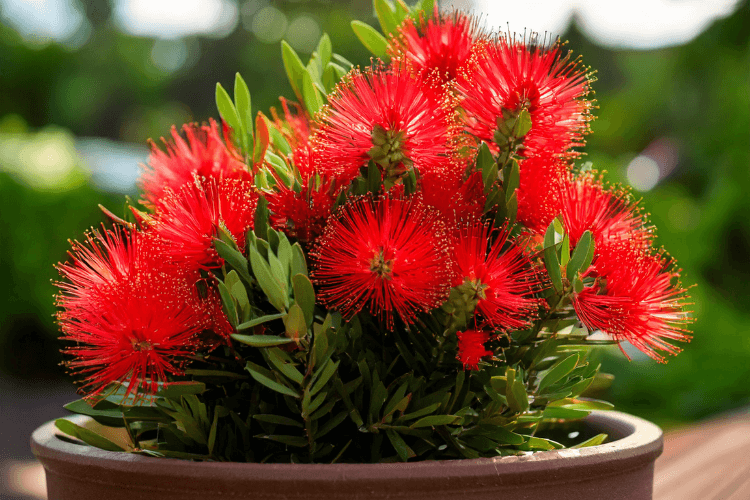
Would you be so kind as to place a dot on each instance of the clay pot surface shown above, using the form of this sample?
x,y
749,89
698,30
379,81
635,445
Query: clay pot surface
x,y
620,469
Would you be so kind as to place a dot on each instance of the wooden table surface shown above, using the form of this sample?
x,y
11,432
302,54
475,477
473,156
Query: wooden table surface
x,y
706,461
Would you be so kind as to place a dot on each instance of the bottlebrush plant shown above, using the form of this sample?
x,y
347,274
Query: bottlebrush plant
x,y
405,264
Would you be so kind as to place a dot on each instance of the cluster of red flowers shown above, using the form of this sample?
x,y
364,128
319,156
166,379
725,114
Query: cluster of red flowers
x,y
427,237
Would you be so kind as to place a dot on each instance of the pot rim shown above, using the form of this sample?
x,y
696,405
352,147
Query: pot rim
x,y
639,443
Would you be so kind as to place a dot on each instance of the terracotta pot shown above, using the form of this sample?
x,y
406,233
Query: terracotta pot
x,y
621,469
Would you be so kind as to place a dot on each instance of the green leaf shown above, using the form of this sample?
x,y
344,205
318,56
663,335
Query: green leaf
x,y
310,95
435,420
551,263
565,413
261,340
268,283
287,369
512,209
523,123
299,264
304,295
325,50
582,404
176,389
515,392
398,443
257,321
565,251
423,6
579,256
228,305
331,424
87,436
371,39
212,432
589,256
385,13
487,165
594,441
557,372
325,376
226,108
418,413
295,324
261,219
293,66
244,109
268,382
512,182
277,419
234,258
541,444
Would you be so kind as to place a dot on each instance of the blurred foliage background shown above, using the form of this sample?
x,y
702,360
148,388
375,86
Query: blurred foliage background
x,y
76,110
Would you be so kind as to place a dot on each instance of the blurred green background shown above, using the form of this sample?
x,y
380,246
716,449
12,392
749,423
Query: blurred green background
x,y
77,106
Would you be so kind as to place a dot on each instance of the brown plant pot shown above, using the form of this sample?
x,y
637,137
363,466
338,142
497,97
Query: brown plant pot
x,y
620,469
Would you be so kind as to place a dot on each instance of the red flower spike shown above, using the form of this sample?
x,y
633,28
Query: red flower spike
x,y
539,191
502,279
188,220
386,115
438,46
134,317
638,301
471,348
613,219
203,154
387,253
457,201
302,214
507,75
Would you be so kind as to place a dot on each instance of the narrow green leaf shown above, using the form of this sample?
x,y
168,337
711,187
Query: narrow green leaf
x,y
583,404
371,39
277,419
86,435
304,295
325,50
295,324
398,443
541,444
515,392
293,66
579,256
551,263
523,123
435,420
261,219
331,424
325,376
257,321
557,372
227,303
512,182
271,384
385,13
594,441
287,369
268,283
212,432
589,257
310,94
564,413
418,413
243,105
234,258
565,251
226,108
261,340
299,264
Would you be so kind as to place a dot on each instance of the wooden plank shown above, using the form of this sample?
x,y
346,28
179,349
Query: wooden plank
x,y
706,461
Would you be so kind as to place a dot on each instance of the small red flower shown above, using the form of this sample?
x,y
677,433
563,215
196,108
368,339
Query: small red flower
x,y
390,254
501,277
386,115
639,300
203,154
438,46
471,348
539,191
507,75
302,214
188,220
133,317
457,200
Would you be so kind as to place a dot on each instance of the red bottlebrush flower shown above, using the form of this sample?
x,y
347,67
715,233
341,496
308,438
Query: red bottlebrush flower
x,y
638,300
390,254
614,220
294,127
188,220
500,277
506,75
539,191
386,115
438,46
133,316
457,201
203,154
471,348
302,214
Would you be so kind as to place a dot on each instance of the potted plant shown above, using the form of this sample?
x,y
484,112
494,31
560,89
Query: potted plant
x,y
394,287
